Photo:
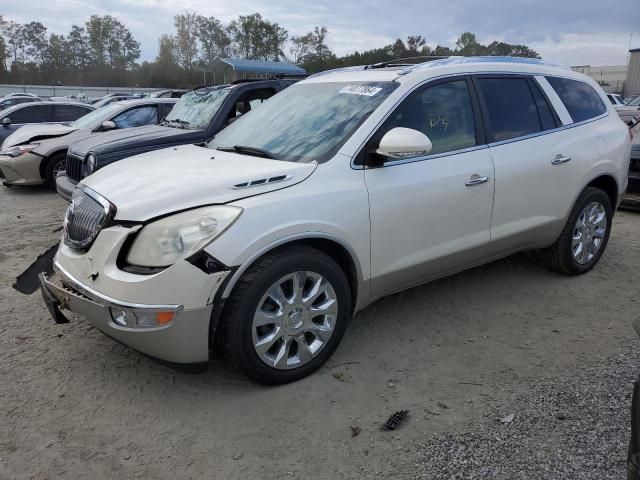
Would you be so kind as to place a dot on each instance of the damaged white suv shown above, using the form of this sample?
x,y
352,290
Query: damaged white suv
x,y
348,186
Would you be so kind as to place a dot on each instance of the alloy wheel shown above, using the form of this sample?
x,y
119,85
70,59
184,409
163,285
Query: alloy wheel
x,y
589,232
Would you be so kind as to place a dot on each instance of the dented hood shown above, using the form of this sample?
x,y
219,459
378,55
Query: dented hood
x,y
35,132
173,179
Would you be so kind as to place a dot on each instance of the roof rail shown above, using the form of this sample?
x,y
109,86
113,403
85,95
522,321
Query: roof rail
x,y
480,59
402,62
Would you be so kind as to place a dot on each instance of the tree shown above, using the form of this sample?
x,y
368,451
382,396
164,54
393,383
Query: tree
x,y
214,39
467,45
186,39
416,45
79,52
15,33
311,50
256,38
57,56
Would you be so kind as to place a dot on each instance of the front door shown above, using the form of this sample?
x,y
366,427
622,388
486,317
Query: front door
x,y
431,215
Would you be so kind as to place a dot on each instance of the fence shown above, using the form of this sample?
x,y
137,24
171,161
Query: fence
x,y
65,90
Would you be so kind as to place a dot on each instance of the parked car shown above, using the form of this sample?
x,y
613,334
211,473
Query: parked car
x,y
346,187
196,118
629,112
615,99
82,98
174,93
23,94
630,99
6,102
35,154
12,118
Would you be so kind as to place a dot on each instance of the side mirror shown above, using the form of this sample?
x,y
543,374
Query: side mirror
x,y
107,125
399,143
6,121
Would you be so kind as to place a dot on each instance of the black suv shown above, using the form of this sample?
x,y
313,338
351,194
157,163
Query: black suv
x,y
196,118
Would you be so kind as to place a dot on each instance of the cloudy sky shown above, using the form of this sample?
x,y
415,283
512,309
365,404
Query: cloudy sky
x,y
574,32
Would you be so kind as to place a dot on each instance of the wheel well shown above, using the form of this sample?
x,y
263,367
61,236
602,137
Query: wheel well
x,y
45,160
608,185
340,255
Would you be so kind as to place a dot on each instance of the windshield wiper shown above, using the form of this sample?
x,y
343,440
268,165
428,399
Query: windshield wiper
x,y
246,150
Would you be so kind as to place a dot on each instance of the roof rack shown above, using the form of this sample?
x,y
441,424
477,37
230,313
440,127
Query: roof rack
x,y
402,62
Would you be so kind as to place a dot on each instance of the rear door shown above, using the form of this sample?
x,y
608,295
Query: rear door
x,y
537,161
430,214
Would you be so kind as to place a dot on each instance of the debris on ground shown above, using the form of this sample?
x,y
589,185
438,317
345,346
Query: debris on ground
x,y
395,420
339,376
508,419
443,405
355,430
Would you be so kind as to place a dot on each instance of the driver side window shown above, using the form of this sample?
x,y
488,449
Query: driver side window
x,y
137,117
442,112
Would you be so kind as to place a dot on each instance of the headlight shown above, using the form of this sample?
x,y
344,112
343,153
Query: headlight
x,y
91,163
18,150
173,238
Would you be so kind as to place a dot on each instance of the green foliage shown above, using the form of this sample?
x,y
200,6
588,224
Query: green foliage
x,y
104,52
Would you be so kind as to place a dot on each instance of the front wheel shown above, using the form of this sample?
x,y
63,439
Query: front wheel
x,y
55,164
585,235
286,315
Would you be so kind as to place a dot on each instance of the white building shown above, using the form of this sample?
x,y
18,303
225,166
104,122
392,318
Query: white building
x,y
611,77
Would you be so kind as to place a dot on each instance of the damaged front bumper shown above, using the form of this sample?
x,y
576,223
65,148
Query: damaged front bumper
x,y
180,335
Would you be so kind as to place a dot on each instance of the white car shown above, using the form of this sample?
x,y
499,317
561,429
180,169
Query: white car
x,y
345,187
629,112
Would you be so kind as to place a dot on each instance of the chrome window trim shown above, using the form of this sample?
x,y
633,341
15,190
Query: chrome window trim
x,y
477,147
105,300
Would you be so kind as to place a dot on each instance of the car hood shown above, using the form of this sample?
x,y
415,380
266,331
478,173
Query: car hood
x,y
36,131
174,179
135,138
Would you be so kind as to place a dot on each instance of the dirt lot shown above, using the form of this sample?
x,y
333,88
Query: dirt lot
x,y
456,353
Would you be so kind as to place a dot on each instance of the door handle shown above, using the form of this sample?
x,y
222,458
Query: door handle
x,y
476,180
560,159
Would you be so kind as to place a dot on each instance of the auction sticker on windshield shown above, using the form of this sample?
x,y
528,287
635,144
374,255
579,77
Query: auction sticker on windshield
x,y
365,90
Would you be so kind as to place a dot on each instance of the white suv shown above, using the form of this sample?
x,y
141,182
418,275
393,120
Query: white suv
x,y
348,186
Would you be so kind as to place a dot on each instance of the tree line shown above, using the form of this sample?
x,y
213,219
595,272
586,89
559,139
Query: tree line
x,y
104,52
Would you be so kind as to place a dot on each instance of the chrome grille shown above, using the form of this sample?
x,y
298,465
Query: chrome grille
x,y
74,167
86,216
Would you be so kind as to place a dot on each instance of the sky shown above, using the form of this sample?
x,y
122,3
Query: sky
x,y
574,32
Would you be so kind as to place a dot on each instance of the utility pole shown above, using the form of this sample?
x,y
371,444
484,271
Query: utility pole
x,y
628,49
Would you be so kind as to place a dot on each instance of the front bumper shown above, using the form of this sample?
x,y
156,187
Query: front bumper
x,y
65,186
184,340
22,170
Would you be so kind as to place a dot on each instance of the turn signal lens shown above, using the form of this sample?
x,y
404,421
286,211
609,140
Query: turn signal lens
x,y
164,317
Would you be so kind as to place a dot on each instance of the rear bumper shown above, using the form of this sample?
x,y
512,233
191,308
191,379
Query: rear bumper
x,y
184,340
22,170
65,186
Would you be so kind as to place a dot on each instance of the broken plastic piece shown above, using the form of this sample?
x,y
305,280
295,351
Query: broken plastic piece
x,y
395,420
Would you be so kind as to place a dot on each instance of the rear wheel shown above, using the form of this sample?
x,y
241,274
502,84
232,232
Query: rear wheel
x,y
287,315
55,164
585,235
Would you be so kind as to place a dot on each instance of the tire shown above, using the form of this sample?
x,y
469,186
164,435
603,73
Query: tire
x,y
561,256
52,167
250,298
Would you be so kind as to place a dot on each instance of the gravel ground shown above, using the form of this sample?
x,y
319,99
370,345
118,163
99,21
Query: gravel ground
x,y
459,353
575,428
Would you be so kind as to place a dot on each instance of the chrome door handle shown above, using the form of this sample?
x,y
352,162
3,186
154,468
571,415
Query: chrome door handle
x,y
476,180
560,159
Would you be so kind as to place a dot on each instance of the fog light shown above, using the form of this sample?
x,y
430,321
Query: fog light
x,y
140,318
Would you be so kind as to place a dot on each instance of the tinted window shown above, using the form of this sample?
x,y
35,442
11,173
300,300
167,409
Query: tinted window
x,y
443,113
31,114
548,118
137,117
511,107
612,99
580,98
68,113
165,108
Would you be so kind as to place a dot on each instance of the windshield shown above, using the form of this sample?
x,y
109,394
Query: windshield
x,y
196,109
96,117
307,121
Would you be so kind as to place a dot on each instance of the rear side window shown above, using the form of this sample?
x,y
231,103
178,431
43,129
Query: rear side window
x,y
581,100
68,113
511,107
32,114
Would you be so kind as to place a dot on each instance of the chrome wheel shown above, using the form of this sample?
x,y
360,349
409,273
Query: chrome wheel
x,y
589,232
61,166
294,320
